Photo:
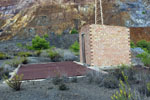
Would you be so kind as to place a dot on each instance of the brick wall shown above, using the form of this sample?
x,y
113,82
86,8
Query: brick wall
x,y
85,30
106,45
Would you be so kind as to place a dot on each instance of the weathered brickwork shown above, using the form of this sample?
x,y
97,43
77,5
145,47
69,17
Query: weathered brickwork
x,y
88,44
106,45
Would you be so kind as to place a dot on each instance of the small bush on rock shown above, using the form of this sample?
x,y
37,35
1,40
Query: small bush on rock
x,y
132,44
37,53
145,58
75,47
74,31
54,55
24,54
143,55
2,56
16,61
24,60
19,45
39,43
144,45
15,82
45,36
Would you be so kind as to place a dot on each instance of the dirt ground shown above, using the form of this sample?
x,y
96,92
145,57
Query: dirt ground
x,y
45,90
82,90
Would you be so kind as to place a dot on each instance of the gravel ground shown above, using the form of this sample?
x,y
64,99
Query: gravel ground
x,y
45,90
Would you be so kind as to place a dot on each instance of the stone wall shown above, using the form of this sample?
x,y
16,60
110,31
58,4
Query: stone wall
x,y
108,45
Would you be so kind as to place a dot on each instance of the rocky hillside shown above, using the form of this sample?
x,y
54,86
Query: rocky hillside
x,y
25,18
21,19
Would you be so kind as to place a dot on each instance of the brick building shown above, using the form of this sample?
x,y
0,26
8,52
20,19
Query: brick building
x,y
104,45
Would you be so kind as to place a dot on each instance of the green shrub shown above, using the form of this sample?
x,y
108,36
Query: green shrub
x,y
132,44
15,82
143,55
24,60
24,54
146,61
39,43
19,45
146,50
53,55
74,31
145,45
45,35
38,52
143,12
145,58
75,47
16,61
2,56
29,47
148,86
142,44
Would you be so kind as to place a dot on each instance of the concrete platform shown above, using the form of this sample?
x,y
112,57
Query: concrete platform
x,y
49,70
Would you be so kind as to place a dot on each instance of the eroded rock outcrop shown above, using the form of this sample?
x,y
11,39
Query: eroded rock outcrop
x,y
40,17
25,18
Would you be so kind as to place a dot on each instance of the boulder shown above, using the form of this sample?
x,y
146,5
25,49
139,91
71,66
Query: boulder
x,y
134,53
37,60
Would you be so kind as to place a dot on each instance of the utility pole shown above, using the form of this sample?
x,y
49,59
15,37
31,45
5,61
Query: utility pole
x,y
95,11
101,11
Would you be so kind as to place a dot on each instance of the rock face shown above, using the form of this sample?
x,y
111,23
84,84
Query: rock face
x,y
140,33
29,17
21,19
